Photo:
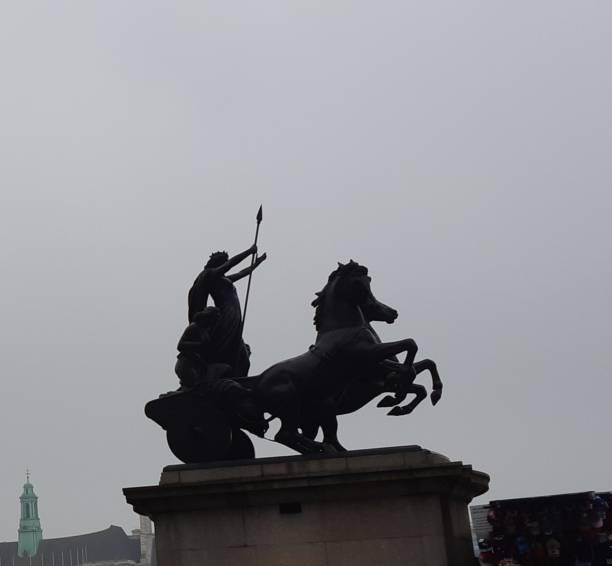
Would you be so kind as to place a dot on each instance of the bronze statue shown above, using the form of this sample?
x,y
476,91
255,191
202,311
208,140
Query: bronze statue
x,y
396,377
347,367
227,345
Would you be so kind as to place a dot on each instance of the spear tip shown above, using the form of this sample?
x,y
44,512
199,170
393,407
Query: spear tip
x,y
260,214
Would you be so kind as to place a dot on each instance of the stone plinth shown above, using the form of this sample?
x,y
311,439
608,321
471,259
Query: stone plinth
x,y
382,507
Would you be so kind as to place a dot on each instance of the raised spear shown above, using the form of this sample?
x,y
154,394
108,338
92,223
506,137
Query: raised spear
x,y
246,299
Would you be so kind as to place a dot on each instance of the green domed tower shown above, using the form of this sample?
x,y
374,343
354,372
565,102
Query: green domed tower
x,y
30,533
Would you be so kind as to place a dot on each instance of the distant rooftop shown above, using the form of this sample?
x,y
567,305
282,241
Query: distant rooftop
x,y
111,544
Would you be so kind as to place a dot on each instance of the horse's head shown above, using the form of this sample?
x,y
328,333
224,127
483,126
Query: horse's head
x,y
374,310
360,291
349,286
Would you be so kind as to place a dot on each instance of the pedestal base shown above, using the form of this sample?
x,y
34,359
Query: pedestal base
x,y
382,507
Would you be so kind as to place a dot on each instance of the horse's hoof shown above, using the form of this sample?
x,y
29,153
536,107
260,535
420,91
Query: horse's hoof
x,y
337,447
399,411
329,448
314,448
299,443
388,401
435,397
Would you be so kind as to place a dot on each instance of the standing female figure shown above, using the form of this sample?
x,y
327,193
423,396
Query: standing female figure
x,y
226,344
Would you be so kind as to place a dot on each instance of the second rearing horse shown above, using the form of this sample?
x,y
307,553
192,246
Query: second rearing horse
x,y
347,367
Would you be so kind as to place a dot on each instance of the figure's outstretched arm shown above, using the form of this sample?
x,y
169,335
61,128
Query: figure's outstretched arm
x,y
234,261
248,270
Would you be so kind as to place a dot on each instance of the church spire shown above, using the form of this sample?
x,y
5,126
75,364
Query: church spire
x,y
30,532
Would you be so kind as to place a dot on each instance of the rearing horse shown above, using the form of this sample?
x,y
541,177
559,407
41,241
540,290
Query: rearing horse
x,y
346,368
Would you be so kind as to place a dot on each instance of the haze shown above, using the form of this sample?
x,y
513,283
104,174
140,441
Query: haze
x,y
460,150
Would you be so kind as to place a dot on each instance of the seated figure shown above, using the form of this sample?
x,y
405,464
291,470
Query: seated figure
x,y
213,379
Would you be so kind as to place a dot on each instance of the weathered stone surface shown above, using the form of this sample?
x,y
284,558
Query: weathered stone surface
x,y
310,553
382,551
216,474
391,506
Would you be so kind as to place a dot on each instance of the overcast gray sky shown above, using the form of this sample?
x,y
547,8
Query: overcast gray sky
x,y
460,150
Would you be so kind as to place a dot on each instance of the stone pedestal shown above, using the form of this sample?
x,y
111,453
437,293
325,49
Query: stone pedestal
x,y
382,507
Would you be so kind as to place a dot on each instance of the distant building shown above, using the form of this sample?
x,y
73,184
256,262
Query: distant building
x,y
110,547
30,532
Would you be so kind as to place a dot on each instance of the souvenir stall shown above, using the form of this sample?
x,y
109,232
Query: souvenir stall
x,y
559,530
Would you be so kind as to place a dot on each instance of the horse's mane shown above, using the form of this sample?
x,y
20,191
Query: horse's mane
x,y
343,270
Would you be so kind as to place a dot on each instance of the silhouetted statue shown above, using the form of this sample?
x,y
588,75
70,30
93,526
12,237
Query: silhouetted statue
x,y
347,367
226,344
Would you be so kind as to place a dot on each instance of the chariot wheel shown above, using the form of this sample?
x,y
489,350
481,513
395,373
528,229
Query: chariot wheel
x,y
198,432
205,442
241,447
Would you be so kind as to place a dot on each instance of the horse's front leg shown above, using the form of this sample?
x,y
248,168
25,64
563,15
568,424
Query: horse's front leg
x,y
401,379
378,352
430,365
420,393
394,382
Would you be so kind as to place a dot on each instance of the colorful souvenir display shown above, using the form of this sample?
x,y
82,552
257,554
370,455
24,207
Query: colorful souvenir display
x,y
560,530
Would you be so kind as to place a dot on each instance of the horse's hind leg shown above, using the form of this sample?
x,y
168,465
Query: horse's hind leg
x,y
289,436
322,415
309,429
329,424
330,433
283,402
